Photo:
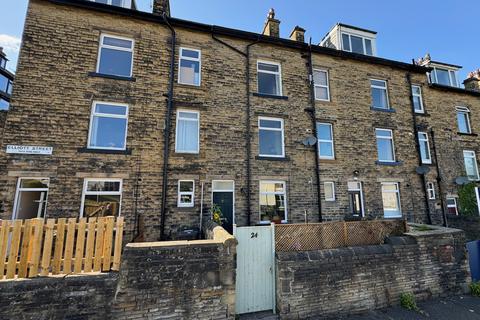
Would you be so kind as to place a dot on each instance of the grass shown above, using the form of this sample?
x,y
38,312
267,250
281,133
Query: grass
x,y
422,227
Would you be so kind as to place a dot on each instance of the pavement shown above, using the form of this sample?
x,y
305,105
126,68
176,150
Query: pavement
x,y
451,308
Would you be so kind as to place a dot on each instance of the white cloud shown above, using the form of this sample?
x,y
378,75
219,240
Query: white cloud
x,y
11,46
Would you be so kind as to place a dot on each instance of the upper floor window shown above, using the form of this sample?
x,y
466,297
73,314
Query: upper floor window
x,y
115,56
188,132
108,126
379,94
4,104
320,79
463,120
101,198
269,78
190,66
357,44
118,3
471,168
445,77
325,141
417,99
5,84
271,137
385,147
424,147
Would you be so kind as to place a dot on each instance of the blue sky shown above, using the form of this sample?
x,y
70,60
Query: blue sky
x,y
407,29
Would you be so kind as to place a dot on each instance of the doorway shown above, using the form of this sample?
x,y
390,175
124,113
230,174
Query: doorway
x,y
355,197
31,198
223,195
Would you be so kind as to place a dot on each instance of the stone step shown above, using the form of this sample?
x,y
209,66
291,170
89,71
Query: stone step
x,y
264,315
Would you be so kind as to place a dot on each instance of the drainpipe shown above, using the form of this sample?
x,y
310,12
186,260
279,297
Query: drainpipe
x,y
247,113
439,178
417,146
166,132
313,115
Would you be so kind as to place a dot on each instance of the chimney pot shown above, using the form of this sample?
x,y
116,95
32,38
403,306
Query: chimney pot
x,y
298,34
473,81
272,25
161,6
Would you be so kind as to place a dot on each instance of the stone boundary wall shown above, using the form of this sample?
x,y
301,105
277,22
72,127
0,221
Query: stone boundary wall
x,y
167,280
469,224
351,280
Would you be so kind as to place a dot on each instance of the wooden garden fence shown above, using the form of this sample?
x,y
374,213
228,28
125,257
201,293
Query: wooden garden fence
x,y
38,247
329,235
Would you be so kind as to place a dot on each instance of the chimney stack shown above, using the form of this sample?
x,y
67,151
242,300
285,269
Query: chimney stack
x,y
161,6
272,25
473,81
298,34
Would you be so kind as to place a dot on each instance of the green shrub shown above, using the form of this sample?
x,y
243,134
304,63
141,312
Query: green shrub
x,y
467,200
475,289
407,300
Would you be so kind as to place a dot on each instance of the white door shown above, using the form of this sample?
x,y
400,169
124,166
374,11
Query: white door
x,y
255,285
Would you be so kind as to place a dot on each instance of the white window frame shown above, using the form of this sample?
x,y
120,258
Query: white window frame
x,y
452,84
199,60
232,190
431,191
125,3
424,140
101,45
419,96
198,131
363,43
382,88
114,193
327,86
332,184
94,114
466,111
474,156
385,138
180,194
19,189
279,73
284,193
454,206
326,141
282,130
399,202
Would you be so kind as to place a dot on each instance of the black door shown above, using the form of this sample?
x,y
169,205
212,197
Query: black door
x,y
224,200
355,203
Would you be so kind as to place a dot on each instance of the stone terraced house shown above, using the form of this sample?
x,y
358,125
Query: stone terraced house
x,y
118,111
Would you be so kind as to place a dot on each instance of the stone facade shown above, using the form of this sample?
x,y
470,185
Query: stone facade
x,y
344,281
469,224
55,89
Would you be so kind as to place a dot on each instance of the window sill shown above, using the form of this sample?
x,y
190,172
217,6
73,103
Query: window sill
x,y
467,134
390,110
422,114
105,151
271,96
109,76
393,164
272,158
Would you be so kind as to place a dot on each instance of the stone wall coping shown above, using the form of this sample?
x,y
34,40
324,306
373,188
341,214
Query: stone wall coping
x,y
436,231
53,277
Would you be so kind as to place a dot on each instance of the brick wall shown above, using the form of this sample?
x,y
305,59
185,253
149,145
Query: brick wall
x,y
469,224
73,297
350,280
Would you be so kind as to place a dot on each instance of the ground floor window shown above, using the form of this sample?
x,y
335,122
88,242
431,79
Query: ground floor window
x,y
186,191
452,206
329,189
431,190
101,198
391,200
31,198
273,203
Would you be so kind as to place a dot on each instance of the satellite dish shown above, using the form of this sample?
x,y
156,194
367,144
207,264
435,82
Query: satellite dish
x,y
422,170
461,180
309,141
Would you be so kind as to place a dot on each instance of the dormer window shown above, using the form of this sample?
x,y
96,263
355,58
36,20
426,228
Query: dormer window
x,y
357,44
3,62
444,77
118,3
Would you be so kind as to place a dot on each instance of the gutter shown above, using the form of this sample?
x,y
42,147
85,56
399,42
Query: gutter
x,y
419,153
240,34
168,124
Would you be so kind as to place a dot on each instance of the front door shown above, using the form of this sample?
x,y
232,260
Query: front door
x,y
223,197
31,198
355,197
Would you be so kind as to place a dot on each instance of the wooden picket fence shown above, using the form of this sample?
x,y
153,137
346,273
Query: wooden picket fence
x,y
38,247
